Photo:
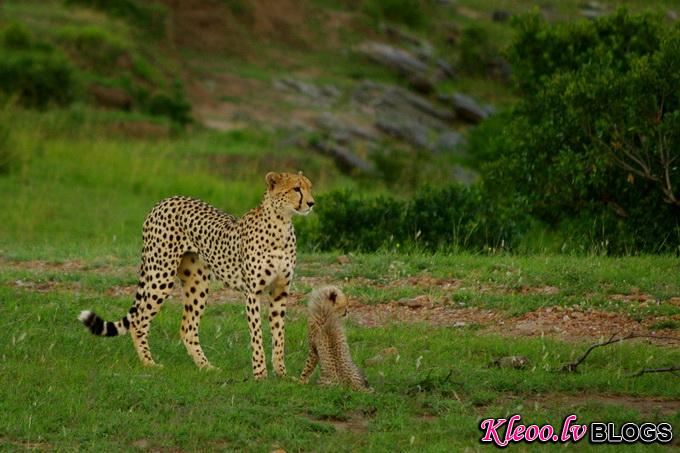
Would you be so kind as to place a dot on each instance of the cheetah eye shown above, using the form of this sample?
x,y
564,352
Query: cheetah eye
x,y
297,189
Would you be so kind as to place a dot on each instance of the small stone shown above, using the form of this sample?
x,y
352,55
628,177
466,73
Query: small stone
x,y
343,259
459,324
516,362
390,351
375,360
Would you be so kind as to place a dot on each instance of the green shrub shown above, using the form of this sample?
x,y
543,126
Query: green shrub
x,y
17,36
8,158
407,12
476,51
172,105
147,16
37,78
92,46
592,146
448,218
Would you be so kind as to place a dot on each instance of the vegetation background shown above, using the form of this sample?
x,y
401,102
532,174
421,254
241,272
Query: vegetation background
x,y
493,178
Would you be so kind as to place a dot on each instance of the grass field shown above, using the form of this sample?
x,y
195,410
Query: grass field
x,y
424,327
64,389
76,183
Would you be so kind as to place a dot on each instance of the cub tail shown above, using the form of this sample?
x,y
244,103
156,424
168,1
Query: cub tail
x,y
103,328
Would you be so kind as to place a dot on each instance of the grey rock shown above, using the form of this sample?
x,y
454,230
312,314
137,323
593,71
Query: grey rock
x,y
467,108
591,9
316,92
401,100
672,15
463,175
446,68
346,160
517,362
344,131
449,142
404,128
398,59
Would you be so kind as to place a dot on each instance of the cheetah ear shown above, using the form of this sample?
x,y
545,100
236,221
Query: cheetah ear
x,y
272,179
333,296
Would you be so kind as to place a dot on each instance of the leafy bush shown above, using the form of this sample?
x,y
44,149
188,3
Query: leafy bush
x,y
147,16
477,54
35,72
593,144
8,159
93,47
407,12
448,218
172,105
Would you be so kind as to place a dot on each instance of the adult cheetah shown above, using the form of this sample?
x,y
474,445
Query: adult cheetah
x,y
189,239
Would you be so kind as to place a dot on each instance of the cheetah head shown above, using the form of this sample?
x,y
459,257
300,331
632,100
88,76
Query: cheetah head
x,y
329,298
290,192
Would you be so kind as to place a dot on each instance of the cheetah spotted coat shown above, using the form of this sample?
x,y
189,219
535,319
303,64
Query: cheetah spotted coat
x,y
328,343
189,240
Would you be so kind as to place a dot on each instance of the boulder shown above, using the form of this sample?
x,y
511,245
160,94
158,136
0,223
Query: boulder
x,y
450,141
319,93
404,128
343,131
400,60
467,108
346,160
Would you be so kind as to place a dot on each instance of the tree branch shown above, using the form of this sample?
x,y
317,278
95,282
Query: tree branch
x,y
572,366
670,369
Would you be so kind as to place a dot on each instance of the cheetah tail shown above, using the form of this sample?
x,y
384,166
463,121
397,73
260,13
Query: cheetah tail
x,y
104,328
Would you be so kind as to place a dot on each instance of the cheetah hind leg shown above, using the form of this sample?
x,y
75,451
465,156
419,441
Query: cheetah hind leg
x,y
153,291
195,277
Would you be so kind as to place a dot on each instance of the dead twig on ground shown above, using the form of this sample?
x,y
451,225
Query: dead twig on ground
x,y
572,366
670,369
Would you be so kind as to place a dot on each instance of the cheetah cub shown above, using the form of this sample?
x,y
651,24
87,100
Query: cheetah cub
x,y
328,342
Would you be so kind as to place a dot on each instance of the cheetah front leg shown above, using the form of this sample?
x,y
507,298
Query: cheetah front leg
x,y
312,360
277,314
255,328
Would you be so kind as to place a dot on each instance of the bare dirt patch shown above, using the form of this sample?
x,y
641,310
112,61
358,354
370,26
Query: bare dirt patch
x,y
64,266
646,407
352,422
567,323
420,309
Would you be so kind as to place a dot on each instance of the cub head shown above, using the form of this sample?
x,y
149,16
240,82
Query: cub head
x,y
290,192
329,298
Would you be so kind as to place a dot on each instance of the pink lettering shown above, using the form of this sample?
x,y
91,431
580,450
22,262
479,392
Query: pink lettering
x,y
546,433
532,433
491,425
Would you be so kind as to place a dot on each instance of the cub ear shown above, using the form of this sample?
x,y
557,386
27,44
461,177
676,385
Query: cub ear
x,y
272,179
333,296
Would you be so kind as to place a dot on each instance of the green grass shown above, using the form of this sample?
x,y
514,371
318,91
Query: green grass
x,y
72,208
70,390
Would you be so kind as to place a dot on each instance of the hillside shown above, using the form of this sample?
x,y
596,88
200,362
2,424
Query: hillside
x,y
380,96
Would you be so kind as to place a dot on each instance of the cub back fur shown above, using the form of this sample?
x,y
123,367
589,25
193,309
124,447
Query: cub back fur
x,y
328,343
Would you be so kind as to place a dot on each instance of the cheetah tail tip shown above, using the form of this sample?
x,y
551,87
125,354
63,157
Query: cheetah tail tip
x,y
85,316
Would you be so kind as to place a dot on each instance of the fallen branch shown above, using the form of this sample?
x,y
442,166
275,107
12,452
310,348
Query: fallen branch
x,y
670,369
571,367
